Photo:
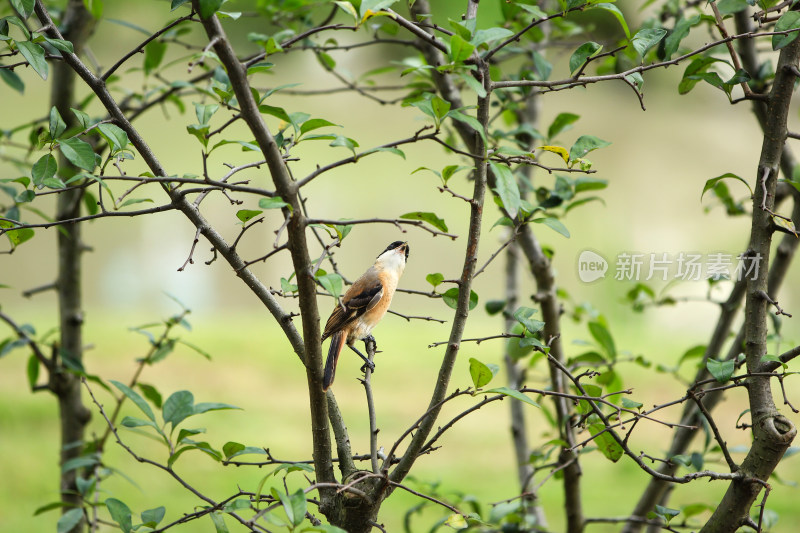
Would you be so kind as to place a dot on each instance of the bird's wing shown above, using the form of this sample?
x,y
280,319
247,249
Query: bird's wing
x,y
362,296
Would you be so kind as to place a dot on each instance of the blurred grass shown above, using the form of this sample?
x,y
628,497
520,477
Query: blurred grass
x,y
254,368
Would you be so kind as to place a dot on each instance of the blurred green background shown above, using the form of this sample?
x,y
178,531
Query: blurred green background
x,y
656,168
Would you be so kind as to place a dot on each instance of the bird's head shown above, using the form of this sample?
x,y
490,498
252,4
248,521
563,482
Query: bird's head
x,y
394,256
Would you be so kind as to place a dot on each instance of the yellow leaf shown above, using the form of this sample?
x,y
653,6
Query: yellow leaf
x,y
785,224
560,150
456,521
370,13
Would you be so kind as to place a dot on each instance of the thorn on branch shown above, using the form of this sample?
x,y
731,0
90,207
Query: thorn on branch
x,y
41,288
213,256
778,309
793,69
189,260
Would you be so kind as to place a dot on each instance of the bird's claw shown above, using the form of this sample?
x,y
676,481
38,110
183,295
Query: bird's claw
x,y
370,339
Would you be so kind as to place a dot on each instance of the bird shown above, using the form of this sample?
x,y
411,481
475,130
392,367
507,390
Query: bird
x,y
363,305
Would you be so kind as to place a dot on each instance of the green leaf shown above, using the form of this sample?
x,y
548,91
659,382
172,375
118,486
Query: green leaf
x,y
460,49
450,298
554,224
346,142
340,230
710,184
582,55
331,283
178,407
696,508
152,517
728,7
60,44
12,80
23,7
605,442
260,67
523,316
587,183
133,422
185,433
472,83
207,8
647,38
162,351
25,196
218,518
513,394
274,202
69,520
430,218
767,358
490,34
560,124
34,55
288,287
586,144
246,214
507,189
481,373
373,6
603,337
614,10
135,398
79,462
440,107
721,370
16,236
33,370
630,404
277,112
82,117
120,513
695,352
232,448
78,152
57,124
50,506
679,32
204,407
472,122
133,201
434,279
788,21
95,7
693,70
388,149
315,124
44,168
151,393
153,55
495,306
665,513
114,135
204,112
297,502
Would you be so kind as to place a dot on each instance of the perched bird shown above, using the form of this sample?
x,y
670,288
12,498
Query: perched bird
x,y
363,306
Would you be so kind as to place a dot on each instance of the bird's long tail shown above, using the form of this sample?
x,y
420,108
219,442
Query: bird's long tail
x,y
337,343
